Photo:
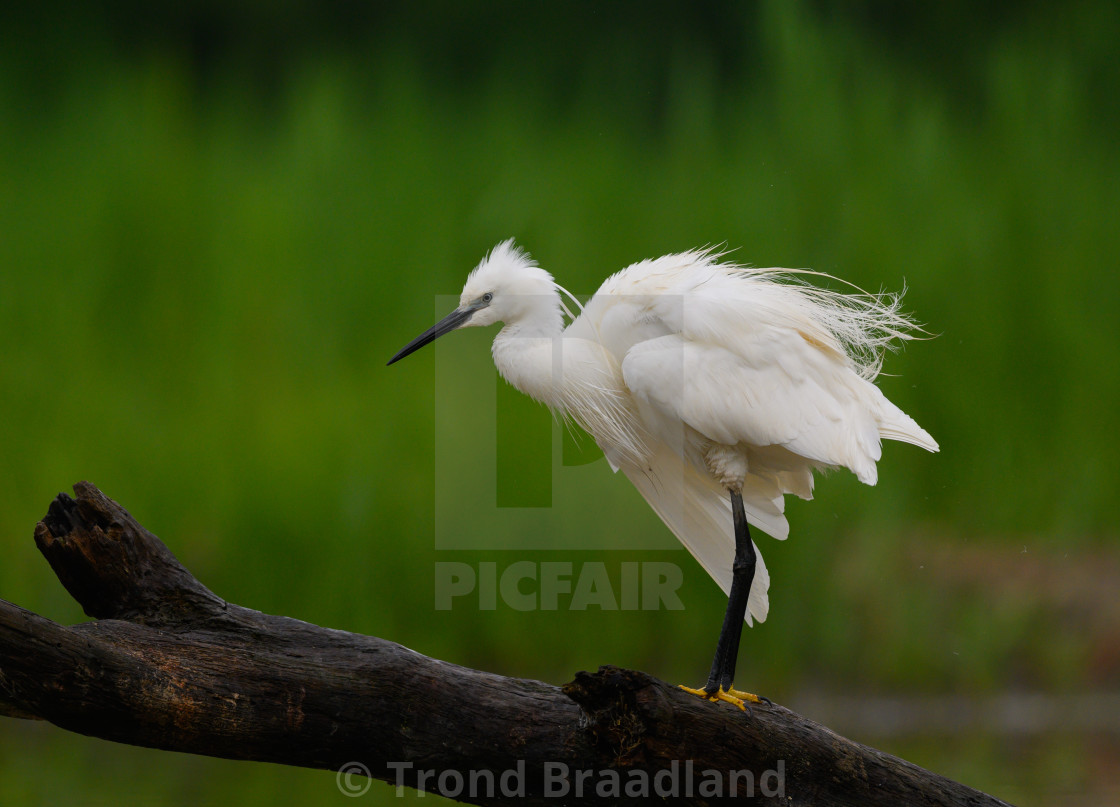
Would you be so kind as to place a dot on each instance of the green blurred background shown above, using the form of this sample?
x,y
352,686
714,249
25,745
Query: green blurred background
x,y
218,221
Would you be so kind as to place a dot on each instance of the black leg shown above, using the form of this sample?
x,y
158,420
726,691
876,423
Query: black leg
x,y
742,570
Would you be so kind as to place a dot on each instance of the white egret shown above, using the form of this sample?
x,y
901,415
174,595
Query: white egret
x,y
716,388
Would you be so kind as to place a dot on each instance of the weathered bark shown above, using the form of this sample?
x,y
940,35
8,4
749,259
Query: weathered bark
x,y
168,664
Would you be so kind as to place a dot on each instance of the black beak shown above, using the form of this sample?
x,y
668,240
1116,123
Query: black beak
x,y
445,325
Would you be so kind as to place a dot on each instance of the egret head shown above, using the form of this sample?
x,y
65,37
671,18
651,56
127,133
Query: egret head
x,y
507,286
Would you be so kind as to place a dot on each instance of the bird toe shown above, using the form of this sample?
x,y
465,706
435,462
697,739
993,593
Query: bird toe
x,y
736,697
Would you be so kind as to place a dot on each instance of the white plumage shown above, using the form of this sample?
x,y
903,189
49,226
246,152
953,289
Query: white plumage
x,y
696,376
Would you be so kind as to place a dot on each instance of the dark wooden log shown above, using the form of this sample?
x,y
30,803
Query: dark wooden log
x,y
168,664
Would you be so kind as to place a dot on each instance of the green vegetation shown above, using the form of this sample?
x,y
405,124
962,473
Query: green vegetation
x,y
201,279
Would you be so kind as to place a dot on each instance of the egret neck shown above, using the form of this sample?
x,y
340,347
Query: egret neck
x,y
576,378
531,359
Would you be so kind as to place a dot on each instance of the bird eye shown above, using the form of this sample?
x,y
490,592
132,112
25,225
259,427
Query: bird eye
x,y
487,298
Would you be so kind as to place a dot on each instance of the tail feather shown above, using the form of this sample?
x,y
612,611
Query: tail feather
x,y
897,425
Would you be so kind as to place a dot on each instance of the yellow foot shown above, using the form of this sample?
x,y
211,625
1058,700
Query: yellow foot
x,y
735,696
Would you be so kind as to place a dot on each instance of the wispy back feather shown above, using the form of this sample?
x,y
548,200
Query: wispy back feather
x,y
865,324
